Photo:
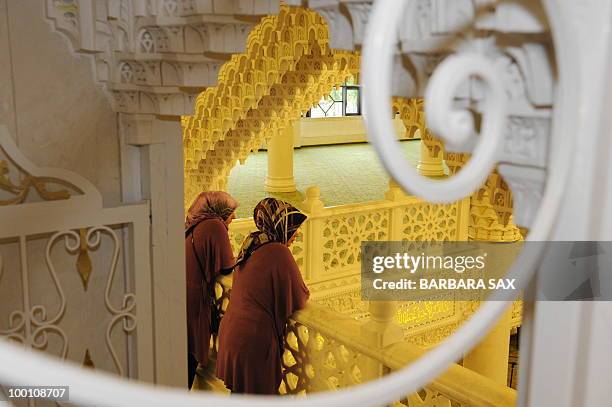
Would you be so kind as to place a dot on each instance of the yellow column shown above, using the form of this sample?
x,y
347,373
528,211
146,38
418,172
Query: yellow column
x,y
430,164
490,356
313,270
395,192
280,162
381,331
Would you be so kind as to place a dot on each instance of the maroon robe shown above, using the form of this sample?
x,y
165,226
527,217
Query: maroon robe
x,y
267,289
215,253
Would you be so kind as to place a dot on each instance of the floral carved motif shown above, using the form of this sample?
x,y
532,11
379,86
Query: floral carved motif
x,y
342,237
427,222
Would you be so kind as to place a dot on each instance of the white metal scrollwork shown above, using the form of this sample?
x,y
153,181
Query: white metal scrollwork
x,y
455,127
126,311
31,325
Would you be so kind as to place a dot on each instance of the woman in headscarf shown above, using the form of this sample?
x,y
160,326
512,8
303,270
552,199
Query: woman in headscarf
x,y
208,253
267,289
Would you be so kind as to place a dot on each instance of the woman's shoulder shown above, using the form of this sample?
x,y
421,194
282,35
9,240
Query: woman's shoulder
x,y
212,226
276,248
213,223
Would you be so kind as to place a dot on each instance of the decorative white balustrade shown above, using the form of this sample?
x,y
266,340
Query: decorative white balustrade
x,y
75,279
326,351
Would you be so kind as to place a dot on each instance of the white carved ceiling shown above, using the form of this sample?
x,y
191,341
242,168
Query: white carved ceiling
x,y
155,56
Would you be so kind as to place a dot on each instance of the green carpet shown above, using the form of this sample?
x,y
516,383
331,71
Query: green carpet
x,y
347,173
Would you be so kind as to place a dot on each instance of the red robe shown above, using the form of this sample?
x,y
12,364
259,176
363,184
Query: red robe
x,y
266,291
215,253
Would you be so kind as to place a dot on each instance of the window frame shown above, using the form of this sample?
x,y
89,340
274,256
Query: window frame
x,y
345,89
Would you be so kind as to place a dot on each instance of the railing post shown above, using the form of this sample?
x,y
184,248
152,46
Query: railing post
x,y
380,331
395,194
490,356
313,250
382,324
463,219
431,162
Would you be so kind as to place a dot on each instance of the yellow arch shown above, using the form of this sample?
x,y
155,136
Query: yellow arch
x,y
286,68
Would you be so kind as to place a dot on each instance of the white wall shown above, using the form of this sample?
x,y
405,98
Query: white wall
x,y
50,103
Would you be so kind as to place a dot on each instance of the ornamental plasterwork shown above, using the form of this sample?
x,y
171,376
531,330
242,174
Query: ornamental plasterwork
x,y
18,191
342,237
428,222
527,185
526,141
155,55
359,11
21,182
513,34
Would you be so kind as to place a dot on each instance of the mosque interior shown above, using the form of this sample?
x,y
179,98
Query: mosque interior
x,y
269,107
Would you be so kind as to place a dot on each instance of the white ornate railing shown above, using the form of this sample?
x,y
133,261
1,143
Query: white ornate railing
x,y
64,259
336,232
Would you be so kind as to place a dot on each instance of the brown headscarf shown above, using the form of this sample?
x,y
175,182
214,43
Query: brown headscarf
x,y
210,205
276,221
